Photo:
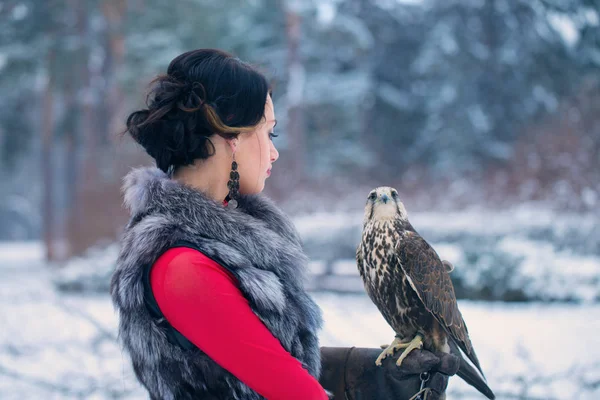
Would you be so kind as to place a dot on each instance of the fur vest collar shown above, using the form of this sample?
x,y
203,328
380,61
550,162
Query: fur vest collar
x,y
256,242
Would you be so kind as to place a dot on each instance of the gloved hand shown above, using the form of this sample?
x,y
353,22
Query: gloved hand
x,y
351,373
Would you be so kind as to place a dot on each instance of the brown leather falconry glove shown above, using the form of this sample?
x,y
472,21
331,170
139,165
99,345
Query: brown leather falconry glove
x,y
350,373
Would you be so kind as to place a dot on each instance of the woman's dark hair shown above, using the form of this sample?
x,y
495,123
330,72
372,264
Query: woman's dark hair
x,y
204,92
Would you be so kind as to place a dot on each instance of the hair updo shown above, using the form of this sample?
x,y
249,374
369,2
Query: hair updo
x,y
204,92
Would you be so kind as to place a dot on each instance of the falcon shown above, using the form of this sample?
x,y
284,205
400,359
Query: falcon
x,y
411,287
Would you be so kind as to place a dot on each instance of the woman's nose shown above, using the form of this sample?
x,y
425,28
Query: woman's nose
x,y
274,153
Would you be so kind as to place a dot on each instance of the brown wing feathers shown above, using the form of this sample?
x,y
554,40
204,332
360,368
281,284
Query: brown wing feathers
x,y
434,287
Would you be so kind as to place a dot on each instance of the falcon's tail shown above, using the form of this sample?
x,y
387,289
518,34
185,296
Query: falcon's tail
x,y
471,375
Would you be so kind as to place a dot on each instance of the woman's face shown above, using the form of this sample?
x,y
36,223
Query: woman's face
x,y
256,153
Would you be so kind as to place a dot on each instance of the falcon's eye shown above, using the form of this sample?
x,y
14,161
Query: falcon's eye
x,y
394,194
373,196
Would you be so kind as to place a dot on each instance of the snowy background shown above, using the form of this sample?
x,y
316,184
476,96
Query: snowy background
x,y
484,114
58,329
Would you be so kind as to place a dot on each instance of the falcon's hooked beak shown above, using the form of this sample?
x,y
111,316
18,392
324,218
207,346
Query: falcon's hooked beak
x,y
384,198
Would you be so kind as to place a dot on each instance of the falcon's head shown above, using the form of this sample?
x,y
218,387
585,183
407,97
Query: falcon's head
x,y
383,203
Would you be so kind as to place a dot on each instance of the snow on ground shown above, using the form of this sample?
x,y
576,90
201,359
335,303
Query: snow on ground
x,y
62,346
21,252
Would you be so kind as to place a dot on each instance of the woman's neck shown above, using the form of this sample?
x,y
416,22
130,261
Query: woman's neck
x,y
206,176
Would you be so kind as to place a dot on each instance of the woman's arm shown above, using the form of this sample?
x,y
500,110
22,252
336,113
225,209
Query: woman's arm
x,y
200,299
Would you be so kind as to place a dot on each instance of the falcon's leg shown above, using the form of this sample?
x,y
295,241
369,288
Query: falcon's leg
x,y
389,350
416,343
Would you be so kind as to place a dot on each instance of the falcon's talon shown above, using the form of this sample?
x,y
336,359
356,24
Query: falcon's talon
x,y
416,343
389,351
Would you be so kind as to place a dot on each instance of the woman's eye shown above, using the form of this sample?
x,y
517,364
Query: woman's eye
x,y
272,135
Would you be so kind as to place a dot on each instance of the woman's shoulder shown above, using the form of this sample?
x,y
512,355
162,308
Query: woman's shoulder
x,y
186,262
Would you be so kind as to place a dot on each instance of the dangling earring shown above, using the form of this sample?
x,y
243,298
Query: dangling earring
x,y
234,185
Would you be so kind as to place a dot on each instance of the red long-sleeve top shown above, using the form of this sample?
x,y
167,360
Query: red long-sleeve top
x,y
201,299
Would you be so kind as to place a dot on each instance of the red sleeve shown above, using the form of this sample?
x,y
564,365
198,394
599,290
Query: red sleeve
x,y
201,300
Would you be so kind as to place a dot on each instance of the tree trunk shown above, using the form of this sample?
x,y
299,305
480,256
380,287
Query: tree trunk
x,y
295,89
97,212
114,13
47,159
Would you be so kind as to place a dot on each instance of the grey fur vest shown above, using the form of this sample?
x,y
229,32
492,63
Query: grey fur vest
x,y
256,242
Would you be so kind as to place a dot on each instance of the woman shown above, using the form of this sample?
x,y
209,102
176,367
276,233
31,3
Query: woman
x,y
208,282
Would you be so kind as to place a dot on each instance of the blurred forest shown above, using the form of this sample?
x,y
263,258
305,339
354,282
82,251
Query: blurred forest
x,y
454,102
